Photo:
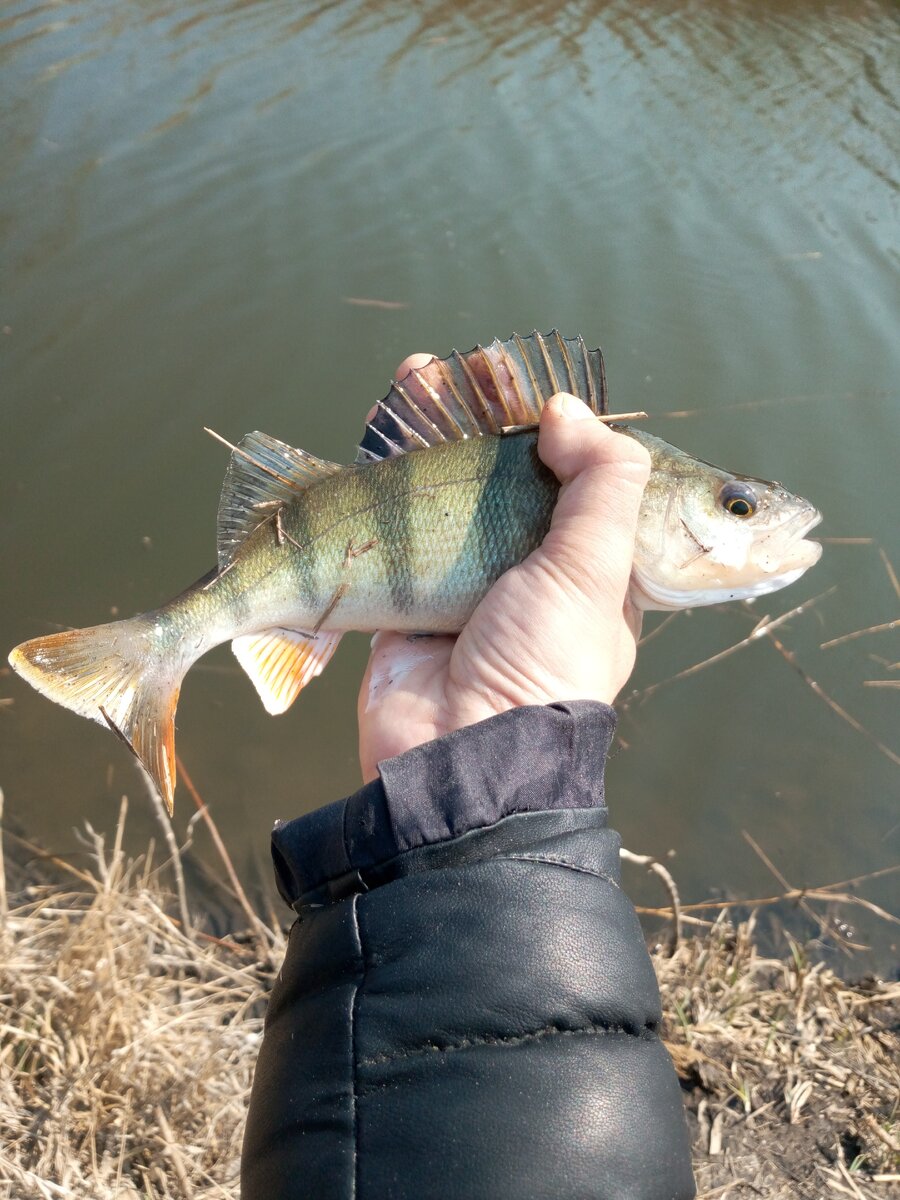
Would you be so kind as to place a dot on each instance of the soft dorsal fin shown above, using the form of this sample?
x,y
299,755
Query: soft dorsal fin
x,y
482,392
281,662
262,473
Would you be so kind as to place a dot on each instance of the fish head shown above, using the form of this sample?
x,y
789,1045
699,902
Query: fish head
x,y
706,535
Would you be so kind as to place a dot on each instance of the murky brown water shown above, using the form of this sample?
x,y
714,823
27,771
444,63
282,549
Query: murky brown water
x,y
203,202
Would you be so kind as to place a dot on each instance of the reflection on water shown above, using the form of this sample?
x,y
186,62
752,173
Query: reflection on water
x,y
745,47
244,214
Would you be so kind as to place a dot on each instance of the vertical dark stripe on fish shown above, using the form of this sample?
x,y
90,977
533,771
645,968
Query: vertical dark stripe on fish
x,y
306,560
513,511
404,596
481,558
393,529
491,519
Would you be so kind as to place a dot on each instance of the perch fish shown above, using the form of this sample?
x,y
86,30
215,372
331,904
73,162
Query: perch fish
x,y
447,493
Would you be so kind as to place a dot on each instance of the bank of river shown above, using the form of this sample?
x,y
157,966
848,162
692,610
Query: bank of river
x,y
129,1033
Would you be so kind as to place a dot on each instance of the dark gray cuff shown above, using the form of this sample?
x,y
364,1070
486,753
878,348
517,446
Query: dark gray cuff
x,y
526,760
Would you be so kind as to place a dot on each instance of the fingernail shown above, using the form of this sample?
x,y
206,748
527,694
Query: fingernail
x,y
574,409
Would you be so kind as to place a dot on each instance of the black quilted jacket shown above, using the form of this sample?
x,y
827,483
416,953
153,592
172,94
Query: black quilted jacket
x,y
466,1010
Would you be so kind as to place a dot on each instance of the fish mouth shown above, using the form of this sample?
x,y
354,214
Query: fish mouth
x,y
802,552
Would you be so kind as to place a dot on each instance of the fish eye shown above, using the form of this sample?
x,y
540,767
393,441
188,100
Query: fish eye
x,y
738,499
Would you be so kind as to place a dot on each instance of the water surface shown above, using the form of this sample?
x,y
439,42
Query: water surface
x,y
244,214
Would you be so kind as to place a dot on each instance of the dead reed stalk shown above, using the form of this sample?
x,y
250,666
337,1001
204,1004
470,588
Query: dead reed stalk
x,y
111,1016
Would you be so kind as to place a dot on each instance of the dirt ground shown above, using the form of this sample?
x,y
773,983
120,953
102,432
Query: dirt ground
x,y
791,1075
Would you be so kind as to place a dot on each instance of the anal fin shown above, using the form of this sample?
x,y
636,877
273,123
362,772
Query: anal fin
x,y
281,662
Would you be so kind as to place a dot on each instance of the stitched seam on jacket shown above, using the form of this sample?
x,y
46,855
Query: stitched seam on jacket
x,y
553,861
648,1032
354,1072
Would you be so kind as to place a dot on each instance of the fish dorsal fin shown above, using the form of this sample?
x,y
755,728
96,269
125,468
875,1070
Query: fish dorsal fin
x,y
262,473
482,392
281,662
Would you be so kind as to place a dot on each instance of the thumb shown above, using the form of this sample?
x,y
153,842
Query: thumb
x,y
603,473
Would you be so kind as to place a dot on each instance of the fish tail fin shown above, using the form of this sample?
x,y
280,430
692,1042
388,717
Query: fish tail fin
x,y
117,675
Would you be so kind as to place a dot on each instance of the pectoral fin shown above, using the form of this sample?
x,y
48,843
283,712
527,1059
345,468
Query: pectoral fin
x,y
281,662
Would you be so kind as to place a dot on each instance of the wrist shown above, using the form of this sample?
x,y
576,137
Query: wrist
x,y
526,760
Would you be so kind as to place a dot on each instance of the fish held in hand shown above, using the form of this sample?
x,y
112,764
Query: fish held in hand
x,y
447,493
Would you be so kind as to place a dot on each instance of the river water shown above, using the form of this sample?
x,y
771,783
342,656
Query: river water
x,y
244,213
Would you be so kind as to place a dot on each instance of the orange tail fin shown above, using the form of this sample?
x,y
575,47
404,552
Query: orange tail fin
x,y
116,675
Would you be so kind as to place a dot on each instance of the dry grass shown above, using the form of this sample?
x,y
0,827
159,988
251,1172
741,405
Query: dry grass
x,y
793,1075
127,1048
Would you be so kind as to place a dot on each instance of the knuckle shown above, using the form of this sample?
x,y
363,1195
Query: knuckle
x,y
581,565
632,456
635,472
630,465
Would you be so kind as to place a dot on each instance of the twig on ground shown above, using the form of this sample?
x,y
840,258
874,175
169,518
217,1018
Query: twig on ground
x,y
664,624
846,541
264,932
818,690
174,853
825,927
858,633
654,865
826,893
170,1144
765,625
892,574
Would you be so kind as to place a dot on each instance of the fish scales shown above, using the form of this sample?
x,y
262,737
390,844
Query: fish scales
x,y
441,501
414,540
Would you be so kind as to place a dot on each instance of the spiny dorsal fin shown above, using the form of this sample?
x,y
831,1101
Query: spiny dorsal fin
x,y
482,392
262,473
281,662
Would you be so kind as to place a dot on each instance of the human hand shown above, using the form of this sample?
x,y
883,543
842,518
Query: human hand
x,y
559,626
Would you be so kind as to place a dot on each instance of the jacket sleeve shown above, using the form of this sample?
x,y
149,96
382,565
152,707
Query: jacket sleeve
x,y
466,1010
